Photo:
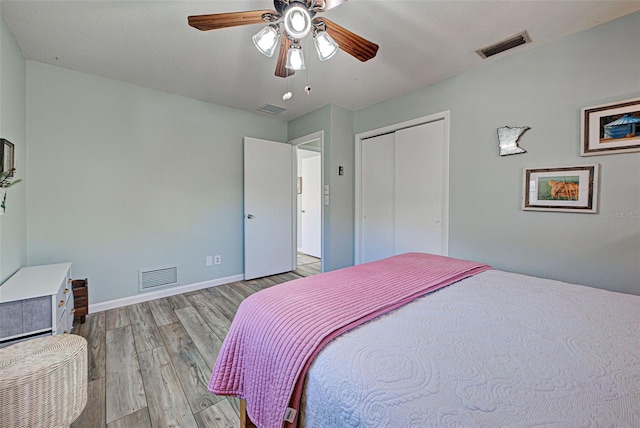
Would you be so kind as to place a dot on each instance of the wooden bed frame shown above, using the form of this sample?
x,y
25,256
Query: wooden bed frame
x,y
245,421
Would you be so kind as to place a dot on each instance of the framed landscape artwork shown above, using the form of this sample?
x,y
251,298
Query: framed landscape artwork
x,y
567,189
611,128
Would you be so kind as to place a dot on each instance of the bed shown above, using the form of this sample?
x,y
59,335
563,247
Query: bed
x,y
482,348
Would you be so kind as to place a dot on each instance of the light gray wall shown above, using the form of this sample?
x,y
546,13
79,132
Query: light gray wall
x,y
123,178
13,225
342,226
543,88
338,222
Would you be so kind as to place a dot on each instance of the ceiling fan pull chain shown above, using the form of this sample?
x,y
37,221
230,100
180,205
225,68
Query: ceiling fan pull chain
x,y
287,95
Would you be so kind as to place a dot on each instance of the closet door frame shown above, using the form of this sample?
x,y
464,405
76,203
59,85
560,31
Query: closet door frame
x,y
445,117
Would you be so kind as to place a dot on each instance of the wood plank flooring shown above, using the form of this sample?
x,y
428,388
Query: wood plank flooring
x,y
150,363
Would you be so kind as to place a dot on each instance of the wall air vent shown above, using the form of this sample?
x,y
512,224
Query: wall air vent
x,y
271,109
160,277
505,45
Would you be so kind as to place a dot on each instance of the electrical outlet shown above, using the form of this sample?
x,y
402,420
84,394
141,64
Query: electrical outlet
x,y
217,260
208,261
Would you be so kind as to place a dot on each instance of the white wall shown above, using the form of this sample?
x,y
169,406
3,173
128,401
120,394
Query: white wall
x,y
13,225
543,88
123,178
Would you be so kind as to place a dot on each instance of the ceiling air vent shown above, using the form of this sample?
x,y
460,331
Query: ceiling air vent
x,y
161,277
271,109
505,45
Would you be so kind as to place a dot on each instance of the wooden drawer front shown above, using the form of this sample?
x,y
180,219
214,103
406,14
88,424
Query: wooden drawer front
x,y
81,297
79,292
80,303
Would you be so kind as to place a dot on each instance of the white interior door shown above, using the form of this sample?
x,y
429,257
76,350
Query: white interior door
x,y
311,206
268,208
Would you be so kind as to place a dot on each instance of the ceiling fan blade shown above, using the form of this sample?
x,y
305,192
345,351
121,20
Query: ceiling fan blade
x,y
232,19
281,70
325,5
349,42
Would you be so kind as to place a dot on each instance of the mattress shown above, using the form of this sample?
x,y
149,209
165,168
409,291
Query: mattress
x,y
277,332
495,350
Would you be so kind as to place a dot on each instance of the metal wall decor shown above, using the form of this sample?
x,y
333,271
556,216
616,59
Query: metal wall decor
x,y
508,137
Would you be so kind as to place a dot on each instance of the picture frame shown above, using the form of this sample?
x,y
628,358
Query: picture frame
x,y
610,128
564,189
7,162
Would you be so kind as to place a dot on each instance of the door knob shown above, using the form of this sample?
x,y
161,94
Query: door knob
x,y
250,216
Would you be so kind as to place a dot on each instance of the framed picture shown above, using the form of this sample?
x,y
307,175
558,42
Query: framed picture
x,y
611,128
567,189
6,155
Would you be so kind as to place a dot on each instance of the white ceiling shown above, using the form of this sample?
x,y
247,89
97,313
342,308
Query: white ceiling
x,y
148,43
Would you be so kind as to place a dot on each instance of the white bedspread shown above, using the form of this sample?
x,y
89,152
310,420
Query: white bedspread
x,y
495,350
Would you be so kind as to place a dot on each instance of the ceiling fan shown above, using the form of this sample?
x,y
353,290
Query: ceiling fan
x,y
298,17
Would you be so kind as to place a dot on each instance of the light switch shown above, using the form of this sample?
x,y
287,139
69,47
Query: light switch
x,y
326,189
326,199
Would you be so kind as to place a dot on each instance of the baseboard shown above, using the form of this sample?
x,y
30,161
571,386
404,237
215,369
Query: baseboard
x,y
145,297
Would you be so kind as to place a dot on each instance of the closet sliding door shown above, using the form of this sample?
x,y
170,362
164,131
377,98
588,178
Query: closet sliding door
x,y
419,186
402,192
378,196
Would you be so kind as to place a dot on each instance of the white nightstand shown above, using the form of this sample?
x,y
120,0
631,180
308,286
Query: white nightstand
x,y
36,301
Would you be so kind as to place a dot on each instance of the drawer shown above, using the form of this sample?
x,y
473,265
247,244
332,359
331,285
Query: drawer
x,y
79,292
81,297
65,323
63,299
80,304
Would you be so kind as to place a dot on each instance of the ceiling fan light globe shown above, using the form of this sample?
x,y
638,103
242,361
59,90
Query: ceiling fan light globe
x,y
295,58
325,45
297,21
266,39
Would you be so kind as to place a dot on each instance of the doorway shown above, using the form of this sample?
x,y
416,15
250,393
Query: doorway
x,y
309,207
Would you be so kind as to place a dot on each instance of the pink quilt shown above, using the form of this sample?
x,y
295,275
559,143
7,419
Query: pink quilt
x,y
277,332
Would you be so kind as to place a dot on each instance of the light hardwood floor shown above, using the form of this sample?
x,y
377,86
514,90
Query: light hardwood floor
x,y
150,363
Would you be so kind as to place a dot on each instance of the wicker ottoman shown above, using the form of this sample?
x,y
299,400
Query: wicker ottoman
x,y
43,381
